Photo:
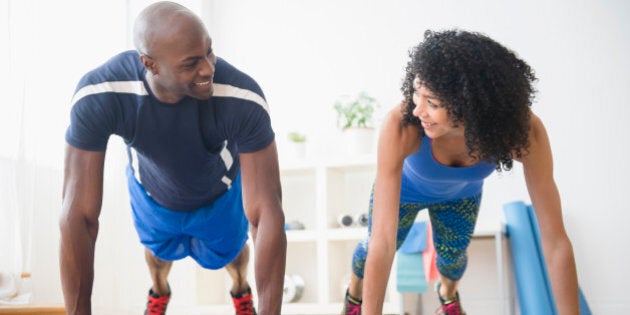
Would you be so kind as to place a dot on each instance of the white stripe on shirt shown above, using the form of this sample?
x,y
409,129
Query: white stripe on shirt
x,y
134,164
225,90
131,87
226,156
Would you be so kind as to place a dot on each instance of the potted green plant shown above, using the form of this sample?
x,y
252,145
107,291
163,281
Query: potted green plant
x,y
355,112
355,117
297,137
297,142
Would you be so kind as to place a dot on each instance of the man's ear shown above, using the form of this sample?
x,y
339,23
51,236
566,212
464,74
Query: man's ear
x,y
149,64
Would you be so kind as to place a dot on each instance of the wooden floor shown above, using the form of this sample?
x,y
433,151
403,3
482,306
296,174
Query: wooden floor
x,y
39,310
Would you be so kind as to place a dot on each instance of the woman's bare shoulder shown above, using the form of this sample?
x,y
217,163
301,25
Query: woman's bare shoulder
x,y
396,137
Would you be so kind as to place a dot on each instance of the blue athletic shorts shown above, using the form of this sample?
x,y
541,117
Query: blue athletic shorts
x,y
212,235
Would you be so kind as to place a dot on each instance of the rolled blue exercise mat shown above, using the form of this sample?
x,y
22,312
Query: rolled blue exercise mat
x,y
584,309
530,270
535,294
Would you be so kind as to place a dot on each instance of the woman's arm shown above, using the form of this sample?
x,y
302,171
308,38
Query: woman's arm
x,y
538,169
395,144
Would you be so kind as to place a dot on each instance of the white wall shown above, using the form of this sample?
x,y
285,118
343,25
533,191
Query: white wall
x,y
304,54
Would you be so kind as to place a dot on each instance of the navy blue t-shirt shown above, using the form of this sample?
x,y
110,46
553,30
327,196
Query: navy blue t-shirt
x,y
185,155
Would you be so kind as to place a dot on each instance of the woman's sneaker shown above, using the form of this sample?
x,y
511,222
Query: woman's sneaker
x,y
351,306
156,304
449,307
244,303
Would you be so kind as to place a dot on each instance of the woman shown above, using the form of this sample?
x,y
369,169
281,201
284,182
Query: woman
x,y
466,113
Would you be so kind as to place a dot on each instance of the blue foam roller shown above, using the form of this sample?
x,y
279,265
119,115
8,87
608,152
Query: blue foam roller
x,y
534,290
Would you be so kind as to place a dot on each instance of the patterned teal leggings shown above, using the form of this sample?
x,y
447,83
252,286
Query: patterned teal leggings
x,y
453,225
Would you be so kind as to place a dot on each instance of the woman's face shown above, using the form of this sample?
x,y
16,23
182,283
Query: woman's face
x,y
432,115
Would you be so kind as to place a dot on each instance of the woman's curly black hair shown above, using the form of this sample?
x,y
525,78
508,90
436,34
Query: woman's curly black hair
x,y
482,85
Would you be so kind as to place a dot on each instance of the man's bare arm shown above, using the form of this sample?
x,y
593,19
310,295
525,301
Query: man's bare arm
x,y
82,198
262,199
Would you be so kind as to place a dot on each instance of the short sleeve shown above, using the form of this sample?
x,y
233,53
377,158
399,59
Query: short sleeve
x,y
242,108
254,131
91,123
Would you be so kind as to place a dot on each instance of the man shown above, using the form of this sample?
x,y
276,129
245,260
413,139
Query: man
x,y
197,132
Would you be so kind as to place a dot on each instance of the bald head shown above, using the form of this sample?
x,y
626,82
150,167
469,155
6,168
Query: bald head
x,y
161,23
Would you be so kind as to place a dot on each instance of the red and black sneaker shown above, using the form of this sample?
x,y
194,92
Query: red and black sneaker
x,y
244,303
156,305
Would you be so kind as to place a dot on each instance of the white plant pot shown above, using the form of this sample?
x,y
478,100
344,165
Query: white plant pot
x,y
297,150
359,141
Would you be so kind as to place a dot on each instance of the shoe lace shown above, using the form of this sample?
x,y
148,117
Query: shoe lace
x,y
244,305
450,309
352,309
157,305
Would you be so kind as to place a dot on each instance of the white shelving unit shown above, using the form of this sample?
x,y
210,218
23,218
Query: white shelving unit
x,y
315,193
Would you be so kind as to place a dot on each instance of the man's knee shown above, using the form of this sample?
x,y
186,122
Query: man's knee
x,y
155,261
242,259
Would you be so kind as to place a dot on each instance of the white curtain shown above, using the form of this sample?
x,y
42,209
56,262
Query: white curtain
x,y
45,48
15,209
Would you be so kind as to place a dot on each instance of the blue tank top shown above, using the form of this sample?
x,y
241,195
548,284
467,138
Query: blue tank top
x,y
426,180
